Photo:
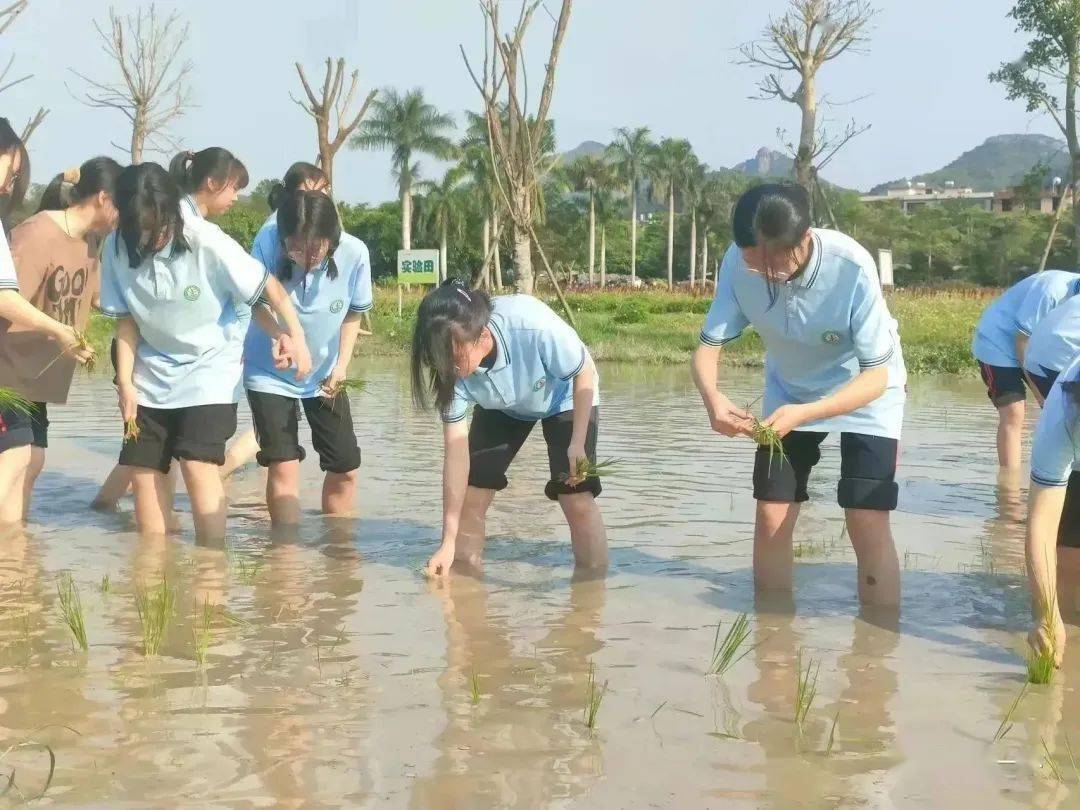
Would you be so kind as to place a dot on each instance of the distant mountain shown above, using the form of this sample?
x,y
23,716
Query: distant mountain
x,y
998,163
767,163
586,149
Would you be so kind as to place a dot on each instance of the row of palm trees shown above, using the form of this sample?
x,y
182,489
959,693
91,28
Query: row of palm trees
x,y
611,183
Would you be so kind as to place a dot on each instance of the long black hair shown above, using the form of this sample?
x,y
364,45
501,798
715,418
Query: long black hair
x,y
312,216
148,201
12,144
299,174
192,170
449,315
74,186
781,220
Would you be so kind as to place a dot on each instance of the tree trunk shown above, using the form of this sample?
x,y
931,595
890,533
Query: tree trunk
x,y
406,215
444,253
1073,142
804,158
671,237
486,275
705,260
603,256
633,230
523,260
693,248
1054,228
592,239
138,136
496,227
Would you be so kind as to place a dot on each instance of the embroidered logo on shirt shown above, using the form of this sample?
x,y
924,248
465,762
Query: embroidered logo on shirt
x,y
192,292
336,306
539,384
831,337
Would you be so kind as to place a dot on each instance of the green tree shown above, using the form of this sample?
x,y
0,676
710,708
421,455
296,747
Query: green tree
x,y
408,126
667,168
693,186
476,160
443,210
628,153
591,175
1046,75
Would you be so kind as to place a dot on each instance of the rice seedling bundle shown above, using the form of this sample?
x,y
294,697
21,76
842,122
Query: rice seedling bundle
x,y
156,610
728,652
594,696
71,609
131,431
586,469
1006,721
805,689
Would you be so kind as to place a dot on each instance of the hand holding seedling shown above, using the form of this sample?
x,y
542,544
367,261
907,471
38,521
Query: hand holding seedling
x,y
128,399
579,463
282,351
728,420
1048,638
787,418
332,385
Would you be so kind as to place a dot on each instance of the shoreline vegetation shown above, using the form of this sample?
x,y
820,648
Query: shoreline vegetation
x,y
660,327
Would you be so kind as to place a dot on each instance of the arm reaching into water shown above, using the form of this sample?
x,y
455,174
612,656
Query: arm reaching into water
x,y
455,485
350,330
1045,505
127,339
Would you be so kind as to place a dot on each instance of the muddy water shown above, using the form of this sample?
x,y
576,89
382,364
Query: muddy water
x,y
335,675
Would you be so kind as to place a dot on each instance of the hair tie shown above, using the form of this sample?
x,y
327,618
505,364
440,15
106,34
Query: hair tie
x,y
464,294
72,175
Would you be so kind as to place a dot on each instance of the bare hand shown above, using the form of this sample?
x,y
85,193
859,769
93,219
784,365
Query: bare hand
x,y
281,350
440,562
730,421
1049,639
301,359
578,459
787,418
331,386
70,344
129,401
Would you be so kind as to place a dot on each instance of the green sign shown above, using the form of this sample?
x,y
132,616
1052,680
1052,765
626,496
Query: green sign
x,y
418,267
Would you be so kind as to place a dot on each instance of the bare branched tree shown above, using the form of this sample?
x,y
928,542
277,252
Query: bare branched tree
x,y
333,102
152,91
8,15
811,34
516,135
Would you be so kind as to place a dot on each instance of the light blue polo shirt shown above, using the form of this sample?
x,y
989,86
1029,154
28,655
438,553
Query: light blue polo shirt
x,y
1020,309
826,326
267,247
1055,340
189,209
1055,448
321,303
9,280
537,357
188,307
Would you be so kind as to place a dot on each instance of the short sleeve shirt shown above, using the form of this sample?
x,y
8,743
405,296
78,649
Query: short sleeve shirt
x,y
322,303
537,357
8,279
1055,340
821,330
187,305
267,247
1054,448
1019,310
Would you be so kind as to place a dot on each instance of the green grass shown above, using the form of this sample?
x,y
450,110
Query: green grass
x,y
658,327
156,608
594,696
729,651
71,609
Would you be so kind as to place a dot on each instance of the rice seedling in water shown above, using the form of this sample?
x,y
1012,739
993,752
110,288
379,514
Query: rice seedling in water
x,y
1006,721
586,469
727,653
832,734
200,631
1040,667
474,688
131,431
14,401
29,742
805,689
1041,663
594,696
156,610
105,586
71,609
1049,760
1072,759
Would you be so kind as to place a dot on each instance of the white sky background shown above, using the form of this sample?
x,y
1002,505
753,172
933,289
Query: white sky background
x,y
665,64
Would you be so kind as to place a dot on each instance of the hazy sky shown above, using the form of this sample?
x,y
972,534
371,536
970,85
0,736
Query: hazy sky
x,y
665,64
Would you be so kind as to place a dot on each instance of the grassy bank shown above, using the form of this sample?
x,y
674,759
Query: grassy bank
x,y
663,327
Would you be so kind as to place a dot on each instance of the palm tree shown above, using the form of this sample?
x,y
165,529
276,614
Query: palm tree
x,y
693,183
590,174
408,126
476,160
628,154
443,209
608,206
718,195
666,168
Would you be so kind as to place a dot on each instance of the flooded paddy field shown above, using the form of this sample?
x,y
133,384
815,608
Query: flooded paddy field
x,y
333,674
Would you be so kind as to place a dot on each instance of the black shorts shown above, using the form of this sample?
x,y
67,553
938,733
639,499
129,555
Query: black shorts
x,y
197,433
277,427
1069,528
1004,384
1043,382
867,470
16,429
39,424
495,438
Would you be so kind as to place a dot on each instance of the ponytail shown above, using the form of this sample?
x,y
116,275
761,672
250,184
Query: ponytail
x,y
81,183
192,170
299,174
148,203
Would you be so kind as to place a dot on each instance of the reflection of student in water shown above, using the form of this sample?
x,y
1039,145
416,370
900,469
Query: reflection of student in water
x,y
1000,344
1053,533
518,363
525,743
55,253
833,364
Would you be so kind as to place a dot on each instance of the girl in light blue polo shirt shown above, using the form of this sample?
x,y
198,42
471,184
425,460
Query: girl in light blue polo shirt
x,y
327,275
833,363
1053,532
300,177
176,287
999,346
1054,343
518,363
211,180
